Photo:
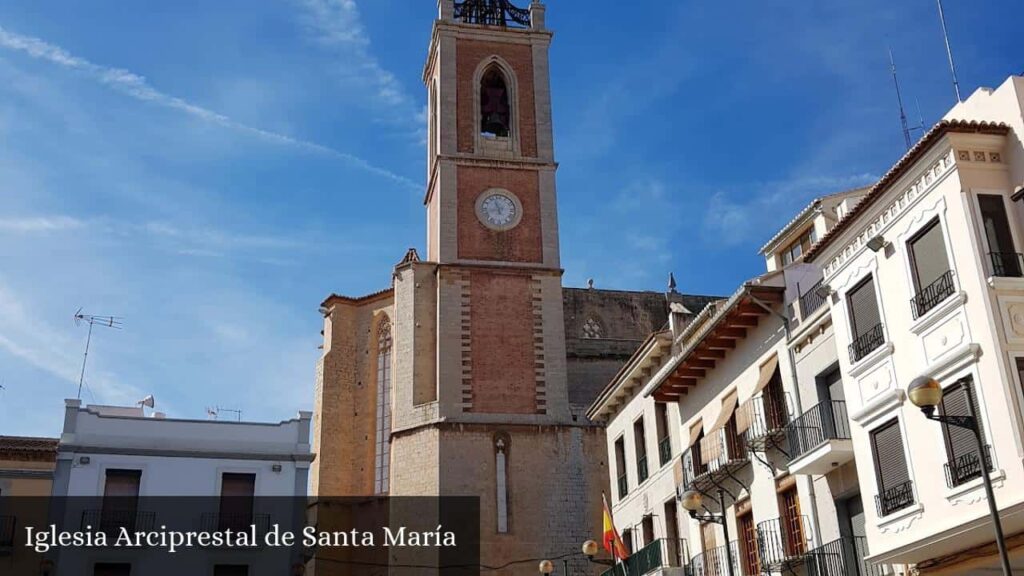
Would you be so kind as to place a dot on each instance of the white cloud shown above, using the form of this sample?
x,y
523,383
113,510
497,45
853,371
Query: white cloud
x,y
728,221
139,88
43,224
336,26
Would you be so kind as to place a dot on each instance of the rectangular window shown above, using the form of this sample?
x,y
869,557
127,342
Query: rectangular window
x,y
674,548
964,462
237,496
792,522
620,466
865,320
1002,255
120,500
664,437
895,491
647,525
748,542
933,279
112,569
640,444
776,413
795,250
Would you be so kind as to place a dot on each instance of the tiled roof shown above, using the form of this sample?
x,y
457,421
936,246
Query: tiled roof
x,y
814,204
912,155
27,444
356,299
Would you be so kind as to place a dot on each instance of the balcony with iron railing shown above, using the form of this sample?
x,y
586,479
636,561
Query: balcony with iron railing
x,y
7,526
1006,264
693,466
659,556
895,498
966,467
932,295
665,450
714,562
766,417
782,543
110,521
811,300
819,439
236,522
866,343
842,557
722,454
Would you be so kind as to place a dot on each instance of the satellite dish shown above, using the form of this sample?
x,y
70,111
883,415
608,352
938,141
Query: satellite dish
x,y
147,401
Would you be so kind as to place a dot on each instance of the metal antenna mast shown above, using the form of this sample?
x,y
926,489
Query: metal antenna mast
x,y
105,321
949,51
899,98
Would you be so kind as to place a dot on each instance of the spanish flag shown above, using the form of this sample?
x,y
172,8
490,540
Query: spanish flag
x,y
612,541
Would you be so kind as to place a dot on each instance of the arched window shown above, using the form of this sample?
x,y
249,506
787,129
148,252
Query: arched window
x,y
495,107
382,455
501,445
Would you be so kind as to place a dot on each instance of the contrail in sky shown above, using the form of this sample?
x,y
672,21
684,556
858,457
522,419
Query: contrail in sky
x,y
137,87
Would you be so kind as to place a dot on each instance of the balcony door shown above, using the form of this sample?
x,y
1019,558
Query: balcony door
x,y
120,498
237,496
673,546
748,544
996,228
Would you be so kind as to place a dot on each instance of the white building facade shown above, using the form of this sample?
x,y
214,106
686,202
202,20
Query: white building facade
x,y
924,278
119,467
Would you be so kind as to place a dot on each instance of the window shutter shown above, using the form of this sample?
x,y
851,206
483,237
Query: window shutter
x,y
928,251
890,461
864,307
959,441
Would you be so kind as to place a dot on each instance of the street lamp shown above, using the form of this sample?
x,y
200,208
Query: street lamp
x,y
926,394
590,549
546,567
693,501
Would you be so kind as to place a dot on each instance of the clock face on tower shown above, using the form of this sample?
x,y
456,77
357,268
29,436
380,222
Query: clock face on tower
x,y
499,209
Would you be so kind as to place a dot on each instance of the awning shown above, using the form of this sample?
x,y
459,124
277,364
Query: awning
x,y
765,374
711,445
728,406
694,434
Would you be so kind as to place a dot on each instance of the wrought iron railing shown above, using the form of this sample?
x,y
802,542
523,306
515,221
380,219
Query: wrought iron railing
x,y
866,342
641,468
811,300
714,562
111,521
966,467
931,295
665,449
623,486
825,421
842,557
236,522
782,541
1007,264
654,555
765,415
7,525
692,465
894,499
721,449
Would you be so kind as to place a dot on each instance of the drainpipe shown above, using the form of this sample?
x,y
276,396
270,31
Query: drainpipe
x,y
799,409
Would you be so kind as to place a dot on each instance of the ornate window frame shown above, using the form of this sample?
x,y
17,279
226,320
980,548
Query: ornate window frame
x,y
497,146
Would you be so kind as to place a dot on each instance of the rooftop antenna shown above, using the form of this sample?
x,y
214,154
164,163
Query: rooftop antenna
x,y
218,409
211,413
105,321
949,51
899,98
920,117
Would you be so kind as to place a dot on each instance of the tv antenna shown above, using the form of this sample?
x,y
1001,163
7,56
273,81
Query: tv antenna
x,y
105,321
949,51
899,99
214,412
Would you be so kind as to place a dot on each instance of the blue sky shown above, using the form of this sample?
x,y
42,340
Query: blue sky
x,y
211,170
